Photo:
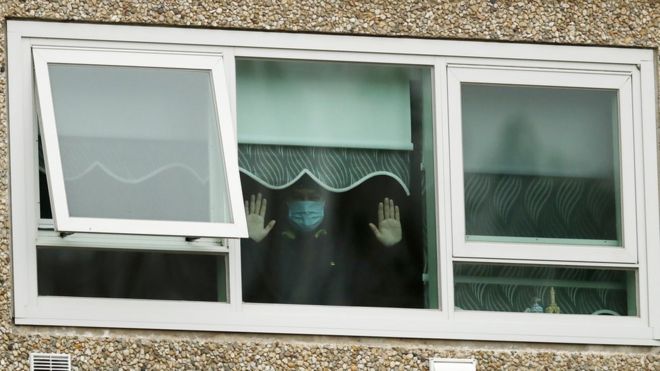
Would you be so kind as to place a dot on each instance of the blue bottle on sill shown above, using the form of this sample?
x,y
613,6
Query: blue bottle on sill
x,y
536,307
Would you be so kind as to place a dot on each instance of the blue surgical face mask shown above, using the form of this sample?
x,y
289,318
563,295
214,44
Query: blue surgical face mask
x,y
306,215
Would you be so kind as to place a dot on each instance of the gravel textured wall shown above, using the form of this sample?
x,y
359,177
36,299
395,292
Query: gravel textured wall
x,y
622,23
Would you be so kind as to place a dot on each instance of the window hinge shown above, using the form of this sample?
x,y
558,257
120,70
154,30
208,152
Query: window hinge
x,y
191,239
64,234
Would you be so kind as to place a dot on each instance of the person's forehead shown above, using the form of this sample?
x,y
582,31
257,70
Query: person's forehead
x,y
306,192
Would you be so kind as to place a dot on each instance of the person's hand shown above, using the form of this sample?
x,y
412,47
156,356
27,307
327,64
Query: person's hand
x,y
388,231
256,211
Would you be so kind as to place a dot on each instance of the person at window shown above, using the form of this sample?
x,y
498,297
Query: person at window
x,y
312,258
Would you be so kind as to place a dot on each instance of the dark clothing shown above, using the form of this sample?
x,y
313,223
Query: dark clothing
x,y
321,268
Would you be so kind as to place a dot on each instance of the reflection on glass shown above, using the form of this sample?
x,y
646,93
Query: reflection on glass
x,y
139,143
544,289
541,164
336,198
131,274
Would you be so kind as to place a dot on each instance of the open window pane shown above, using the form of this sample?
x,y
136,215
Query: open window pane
x,y
134,145
324,143
155,275
545,289
541,164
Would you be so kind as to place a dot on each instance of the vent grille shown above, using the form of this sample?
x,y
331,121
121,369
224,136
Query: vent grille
x,y
50,362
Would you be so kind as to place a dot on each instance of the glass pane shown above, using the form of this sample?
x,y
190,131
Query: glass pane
x,y
320,196
139,143
541,164
131,274
545,289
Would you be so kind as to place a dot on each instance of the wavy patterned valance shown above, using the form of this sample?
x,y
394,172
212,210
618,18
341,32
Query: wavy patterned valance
x,y
335,169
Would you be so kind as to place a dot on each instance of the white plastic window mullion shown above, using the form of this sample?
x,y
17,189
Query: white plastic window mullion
x,y
641,286
443,187
24,176
649,241
234,275
630,182
229,60
453,117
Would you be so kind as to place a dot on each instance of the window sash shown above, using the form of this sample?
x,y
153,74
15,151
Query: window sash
x,y
63,220
524,249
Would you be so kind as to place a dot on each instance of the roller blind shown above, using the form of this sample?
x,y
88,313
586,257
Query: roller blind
x,y
327,104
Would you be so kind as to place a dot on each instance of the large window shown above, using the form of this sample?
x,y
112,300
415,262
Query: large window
x,y
333,157
240,181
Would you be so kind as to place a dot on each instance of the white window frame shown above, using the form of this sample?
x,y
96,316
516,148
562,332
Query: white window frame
x,y
213,63
235,316
553,249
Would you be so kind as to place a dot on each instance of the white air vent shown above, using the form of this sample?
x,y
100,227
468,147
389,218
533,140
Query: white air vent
x,y
449,364
50,362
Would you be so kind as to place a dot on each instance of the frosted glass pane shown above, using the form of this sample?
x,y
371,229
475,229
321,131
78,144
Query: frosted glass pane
x,y
541,163
139,143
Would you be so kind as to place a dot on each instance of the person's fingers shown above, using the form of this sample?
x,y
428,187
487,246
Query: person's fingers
x,y
374,229
396,213
392,209
247,208
380,213
262,211
270,226
257,205
251,204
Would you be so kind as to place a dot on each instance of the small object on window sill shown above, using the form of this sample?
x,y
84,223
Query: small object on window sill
x,y
535,307
64,234
552,307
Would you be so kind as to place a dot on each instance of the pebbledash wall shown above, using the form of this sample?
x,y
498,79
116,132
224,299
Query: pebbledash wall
x,y
588,22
